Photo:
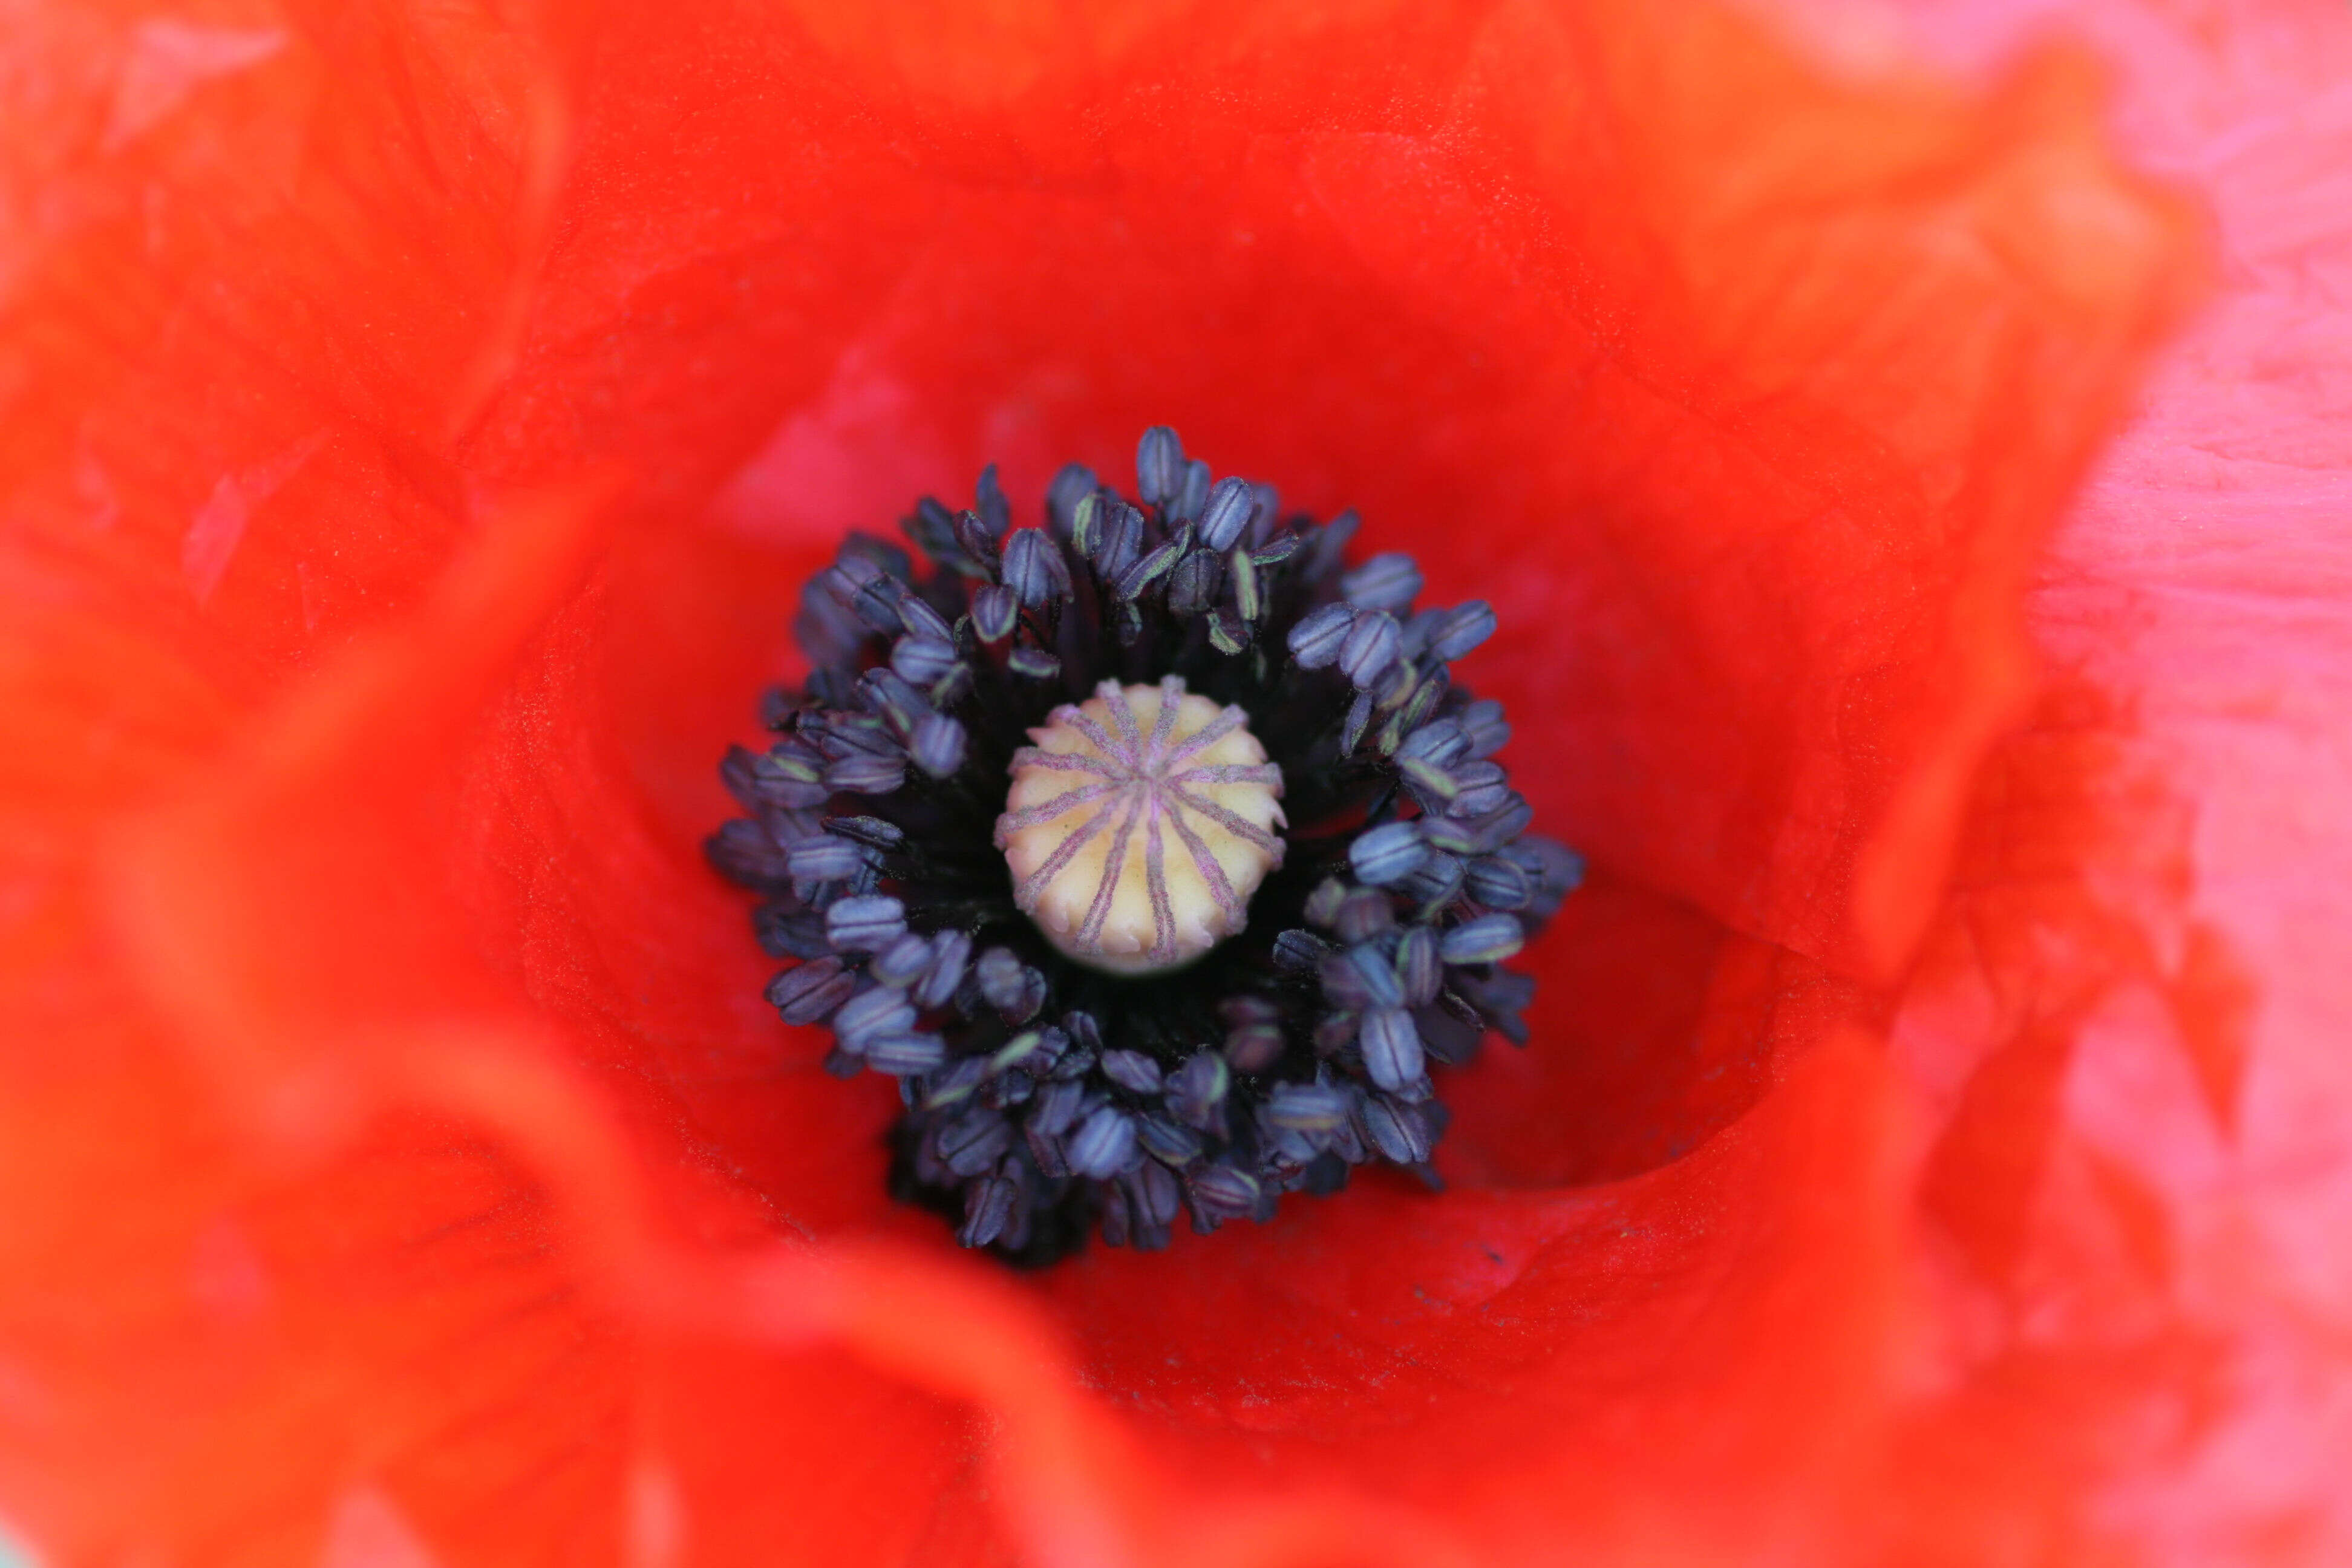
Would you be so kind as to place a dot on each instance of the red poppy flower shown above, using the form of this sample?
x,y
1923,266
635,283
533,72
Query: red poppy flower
x,y
420,419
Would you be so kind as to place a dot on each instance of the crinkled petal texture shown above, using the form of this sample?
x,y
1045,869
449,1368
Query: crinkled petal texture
x,y
418,422
2126,1027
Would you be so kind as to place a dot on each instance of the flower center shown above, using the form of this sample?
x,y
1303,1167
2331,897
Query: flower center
x,y
1139,825
989,888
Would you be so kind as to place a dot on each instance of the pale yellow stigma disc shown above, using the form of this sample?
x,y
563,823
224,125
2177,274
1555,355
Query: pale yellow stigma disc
x,y
1139,825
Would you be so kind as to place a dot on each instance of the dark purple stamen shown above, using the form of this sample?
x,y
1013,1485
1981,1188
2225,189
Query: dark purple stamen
x,y
1045,1100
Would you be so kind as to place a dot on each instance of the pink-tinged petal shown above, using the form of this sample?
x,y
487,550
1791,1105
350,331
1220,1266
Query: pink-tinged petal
x,y
2130,1029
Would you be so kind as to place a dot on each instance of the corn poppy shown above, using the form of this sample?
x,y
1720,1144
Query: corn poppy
x,y
421,420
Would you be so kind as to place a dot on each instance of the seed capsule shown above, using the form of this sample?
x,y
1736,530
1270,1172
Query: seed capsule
x,y
1138,825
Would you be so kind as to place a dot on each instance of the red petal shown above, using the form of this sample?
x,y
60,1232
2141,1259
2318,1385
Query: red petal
x,y
409,1152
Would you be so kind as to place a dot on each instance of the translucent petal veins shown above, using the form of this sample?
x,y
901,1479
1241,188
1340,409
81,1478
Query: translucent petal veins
x,y
1033,767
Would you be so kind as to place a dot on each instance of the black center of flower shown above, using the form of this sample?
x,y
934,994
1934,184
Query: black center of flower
x,y
1112,1028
